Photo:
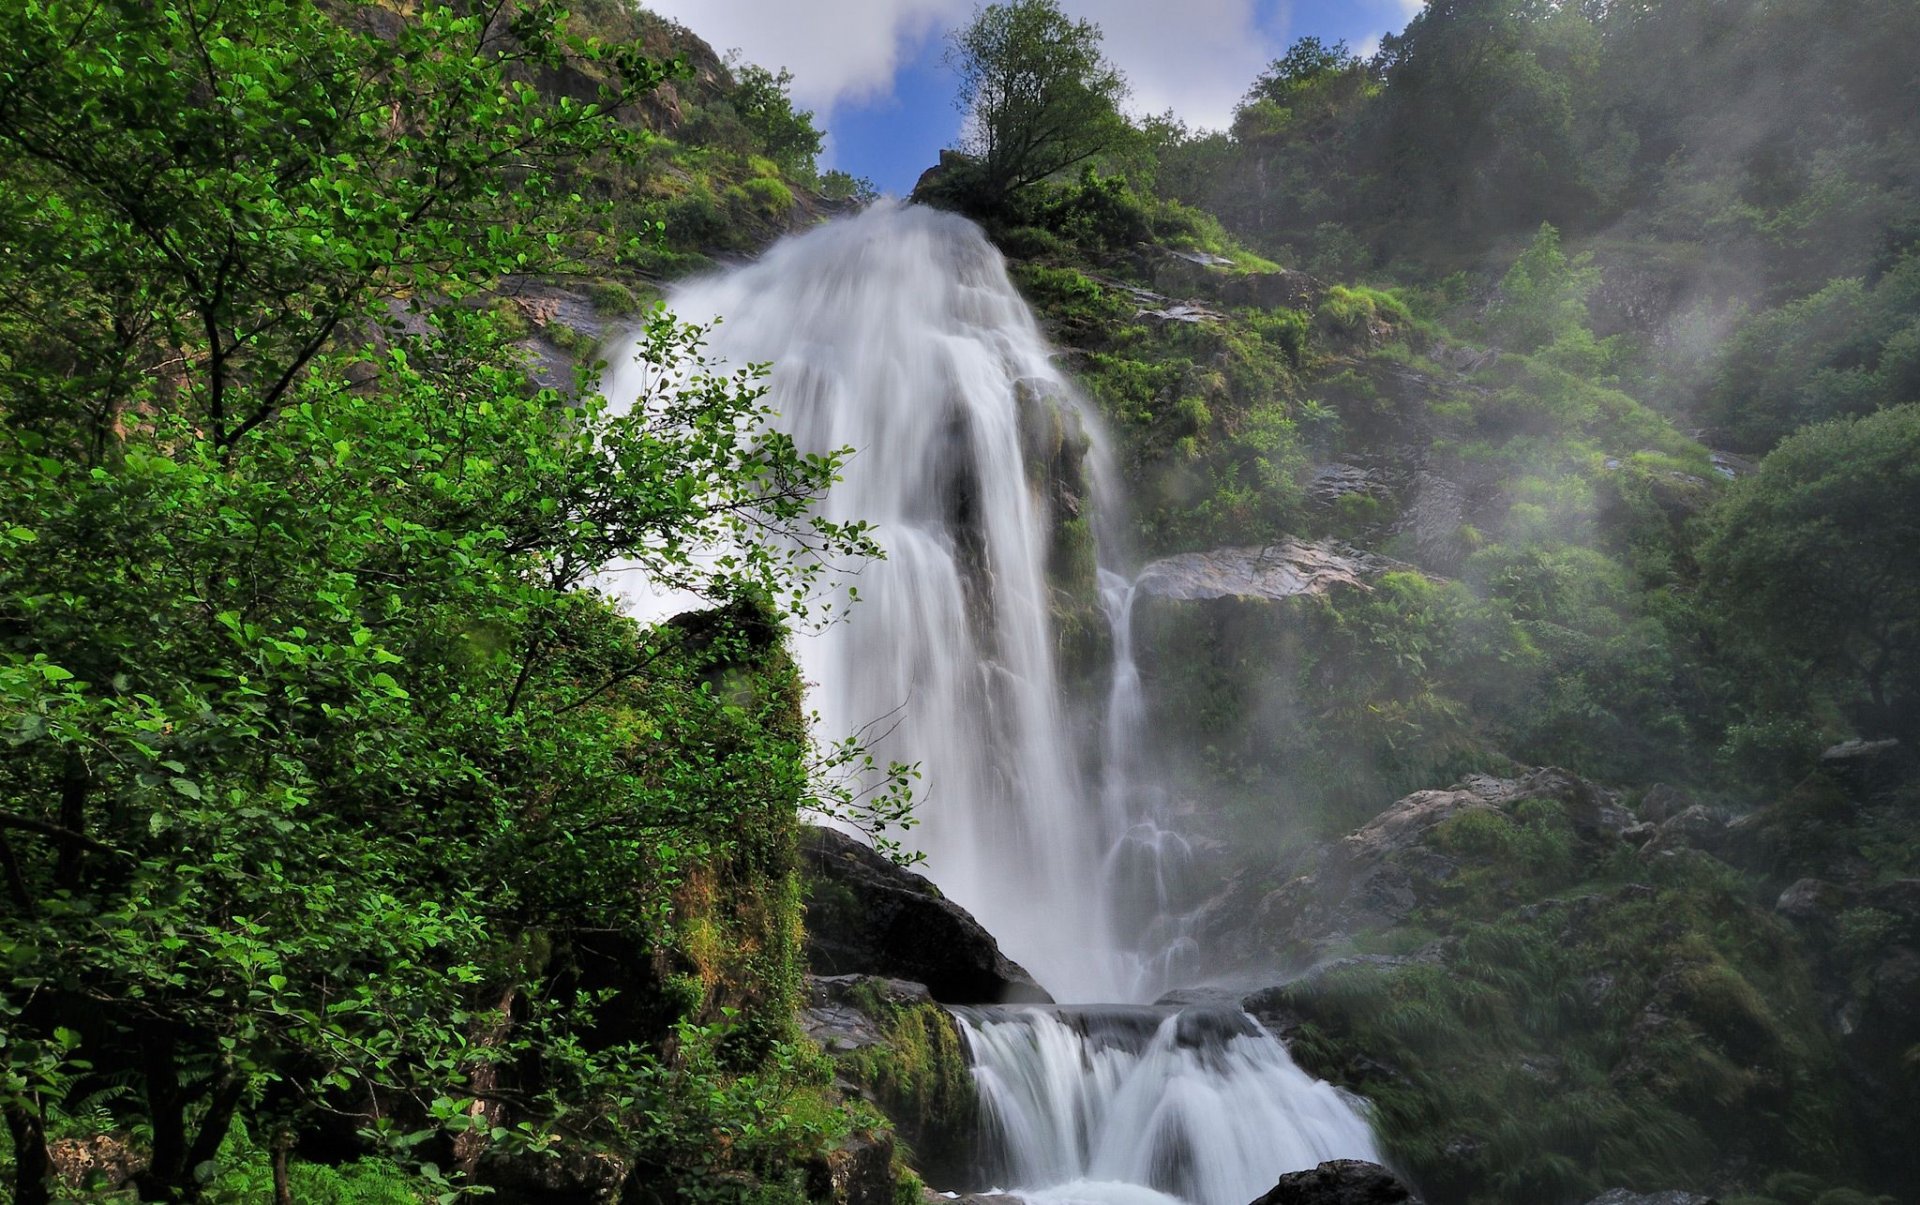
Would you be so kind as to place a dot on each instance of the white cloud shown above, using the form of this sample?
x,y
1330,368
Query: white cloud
x,y
837,49
1196,57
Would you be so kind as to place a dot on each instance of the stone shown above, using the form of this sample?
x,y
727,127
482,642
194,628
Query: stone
x,y
857,1172
1435,513
836,1015
1622,1196
1332,482
1340,1182
867,916
1810,901
1382,873
1869,770
1663,802
1283,569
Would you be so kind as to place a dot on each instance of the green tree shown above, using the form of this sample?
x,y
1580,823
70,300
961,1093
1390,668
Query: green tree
x,y
322,753
1038,94
1818,556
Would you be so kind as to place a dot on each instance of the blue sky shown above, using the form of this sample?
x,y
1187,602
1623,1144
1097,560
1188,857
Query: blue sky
x,y
871,69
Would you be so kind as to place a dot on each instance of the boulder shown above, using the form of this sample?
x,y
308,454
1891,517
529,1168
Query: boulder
x,y
1270,290
1811,902
1269,573
1693,828
1662,802
838,1012
1869,770
1340,1182
867,916
1622,1196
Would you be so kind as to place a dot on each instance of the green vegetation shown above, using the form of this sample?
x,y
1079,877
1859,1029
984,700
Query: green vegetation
x,y
1038,95
1483,303
342,811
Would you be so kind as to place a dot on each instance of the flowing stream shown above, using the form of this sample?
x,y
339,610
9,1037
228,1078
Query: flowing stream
x,y
897,333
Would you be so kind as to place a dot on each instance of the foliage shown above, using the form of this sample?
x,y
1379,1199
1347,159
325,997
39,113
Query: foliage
x,y
1815,555
1846,350
1587,1020
331,777
787,135
1038,95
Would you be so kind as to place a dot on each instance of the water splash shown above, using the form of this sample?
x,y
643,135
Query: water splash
x,y
1202,1105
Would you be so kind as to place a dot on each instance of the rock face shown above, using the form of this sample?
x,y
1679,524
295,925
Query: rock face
x,y
1340,1182
1270,573
1379,875
866,916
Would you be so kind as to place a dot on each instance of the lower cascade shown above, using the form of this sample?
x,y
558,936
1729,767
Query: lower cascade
x,y
899,334
1200,1105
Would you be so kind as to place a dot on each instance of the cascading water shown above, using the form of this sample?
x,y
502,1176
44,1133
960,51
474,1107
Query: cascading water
x,y
898,333
1204,1105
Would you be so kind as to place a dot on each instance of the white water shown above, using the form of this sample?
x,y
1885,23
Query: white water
x,y
898,333
1203,1105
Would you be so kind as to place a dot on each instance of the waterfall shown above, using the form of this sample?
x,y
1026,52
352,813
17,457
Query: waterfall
x,y
1093,1105
898,334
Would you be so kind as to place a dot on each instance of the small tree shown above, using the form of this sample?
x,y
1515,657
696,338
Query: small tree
x,y
1039,96
1818,555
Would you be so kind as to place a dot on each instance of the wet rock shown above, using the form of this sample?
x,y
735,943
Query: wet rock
x,y
1280,570
1622,1196
573,1177
1187,312
858,1172
1340,1182
1435,513
867,916
1332,482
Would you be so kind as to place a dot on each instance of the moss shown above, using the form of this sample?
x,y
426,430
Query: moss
x,y
919,1074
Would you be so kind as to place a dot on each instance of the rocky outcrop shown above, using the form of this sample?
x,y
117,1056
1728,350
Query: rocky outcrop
x,y
1340,1182
1378,876
1268,573
867,916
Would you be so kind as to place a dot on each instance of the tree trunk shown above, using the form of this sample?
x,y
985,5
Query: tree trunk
x,y
282,1150
167,1110
33,1170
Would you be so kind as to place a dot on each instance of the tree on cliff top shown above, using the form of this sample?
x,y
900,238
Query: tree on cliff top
x,y
1038,94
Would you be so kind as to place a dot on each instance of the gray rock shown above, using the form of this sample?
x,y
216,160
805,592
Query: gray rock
x,y
1870,770
836,1015
1663,802
1280,570
1435,514
1340,1182
1332,482
1622,1196
1810,901
867,916
1379,875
